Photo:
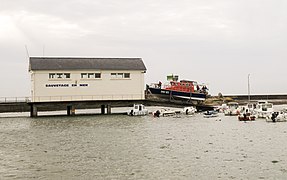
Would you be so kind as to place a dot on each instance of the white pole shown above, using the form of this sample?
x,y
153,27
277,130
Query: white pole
x,y
248,88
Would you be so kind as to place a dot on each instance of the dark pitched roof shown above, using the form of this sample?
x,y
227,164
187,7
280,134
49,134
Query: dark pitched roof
x,y
80,63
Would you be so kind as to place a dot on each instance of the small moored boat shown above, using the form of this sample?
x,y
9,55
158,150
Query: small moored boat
x,y
263,109
189,110
138,110
232,109
164,113
277,117
246,117
210,114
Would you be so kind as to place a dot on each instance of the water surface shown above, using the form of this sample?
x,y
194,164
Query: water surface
x,y
124,147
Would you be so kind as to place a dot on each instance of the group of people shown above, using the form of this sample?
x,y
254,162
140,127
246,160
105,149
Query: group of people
x,y
204,89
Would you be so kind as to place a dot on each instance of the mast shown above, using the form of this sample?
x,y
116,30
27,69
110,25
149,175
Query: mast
x,y
248,88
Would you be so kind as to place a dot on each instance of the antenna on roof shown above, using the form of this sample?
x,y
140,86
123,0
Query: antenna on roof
x,y
27,52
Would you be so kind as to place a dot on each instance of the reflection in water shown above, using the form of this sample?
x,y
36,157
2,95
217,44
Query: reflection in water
x,y
124,147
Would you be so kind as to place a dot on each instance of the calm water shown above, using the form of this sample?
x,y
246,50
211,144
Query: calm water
x,y
123,147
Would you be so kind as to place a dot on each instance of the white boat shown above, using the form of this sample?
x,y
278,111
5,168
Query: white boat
x,y
232,109
277,117
248,109
263,109
164,113
222,108
284,110
210,114
189,110
246,117
138,110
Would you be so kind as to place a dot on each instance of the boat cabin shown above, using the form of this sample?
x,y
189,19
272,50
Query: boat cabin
x,y
233,109
138,110
264,110
185,86
180,86
265,107
233,105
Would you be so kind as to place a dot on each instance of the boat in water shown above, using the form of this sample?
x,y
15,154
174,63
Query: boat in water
x,y
280,116
210,114
232,109
248,108
221,108
189,110
184,89
263,109
138,110
246,117
164,113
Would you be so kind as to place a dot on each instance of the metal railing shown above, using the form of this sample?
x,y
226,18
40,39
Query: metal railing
x,y
72,98
14,99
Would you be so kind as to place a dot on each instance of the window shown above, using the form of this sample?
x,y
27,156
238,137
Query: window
x,y
84,75
97,75
67,75
127,75
120,75
52,75
90,75
113,75
59,75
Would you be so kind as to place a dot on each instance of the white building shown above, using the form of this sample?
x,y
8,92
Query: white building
x,y
77,79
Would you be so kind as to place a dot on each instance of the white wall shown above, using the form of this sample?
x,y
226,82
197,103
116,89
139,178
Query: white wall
x,y
105,88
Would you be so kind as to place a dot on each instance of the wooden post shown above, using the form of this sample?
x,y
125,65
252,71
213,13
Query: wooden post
x,y
71,110
109,109
33,111
102,109
68,110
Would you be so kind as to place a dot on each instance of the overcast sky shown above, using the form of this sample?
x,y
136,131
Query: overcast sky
x,y
217,42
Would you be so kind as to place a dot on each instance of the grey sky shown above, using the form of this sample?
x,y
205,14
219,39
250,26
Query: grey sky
x,y
217,42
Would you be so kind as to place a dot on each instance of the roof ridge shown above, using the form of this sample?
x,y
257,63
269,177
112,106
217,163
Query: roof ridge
x,y
68,63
